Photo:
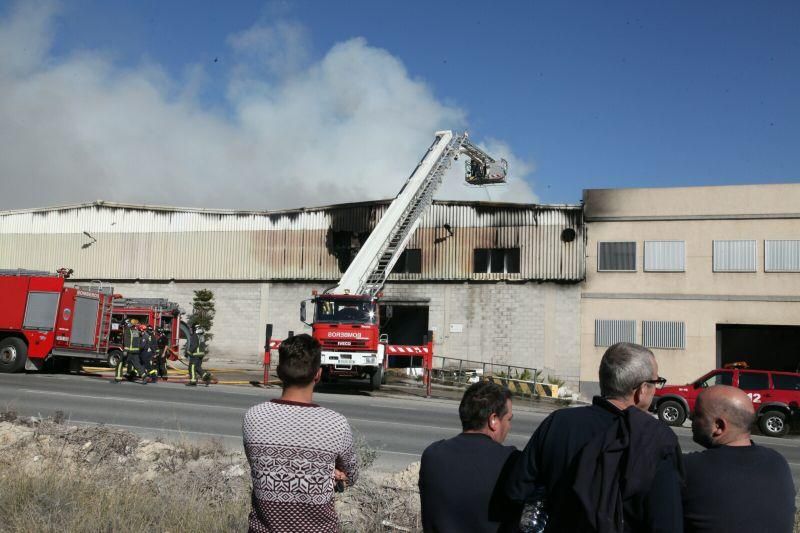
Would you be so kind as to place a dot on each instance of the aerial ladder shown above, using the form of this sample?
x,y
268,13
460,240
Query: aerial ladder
x,y
346,317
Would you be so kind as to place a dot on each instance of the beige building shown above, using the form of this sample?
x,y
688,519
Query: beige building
x,y
704,276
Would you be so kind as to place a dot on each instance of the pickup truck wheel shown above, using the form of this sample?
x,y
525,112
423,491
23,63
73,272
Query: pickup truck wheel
x,y
773,424
114,357
671,413
376,379
13,354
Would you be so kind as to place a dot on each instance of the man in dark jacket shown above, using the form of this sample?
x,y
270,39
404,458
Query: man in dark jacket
x,y
461,478
608,467
735,486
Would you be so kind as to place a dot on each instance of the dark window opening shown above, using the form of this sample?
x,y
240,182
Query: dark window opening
x,y
409,262
616,256
762,347
496,260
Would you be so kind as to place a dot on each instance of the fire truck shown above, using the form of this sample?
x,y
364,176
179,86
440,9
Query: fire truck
x,y
42,320
345,318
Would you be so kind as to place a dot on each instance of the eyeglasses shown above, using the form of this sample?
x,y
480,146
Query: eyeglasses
x,y
657,383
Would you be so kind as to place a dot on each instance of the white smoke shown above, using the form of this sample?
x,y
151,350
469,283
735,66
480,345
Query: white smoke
x,y
348,127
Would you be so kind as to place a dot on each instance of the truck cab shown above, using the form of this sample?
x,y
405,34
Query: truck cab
x,y
347,327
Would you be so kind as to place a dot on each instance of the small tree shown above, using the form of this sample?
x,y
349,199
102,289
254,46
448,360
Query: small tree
x,y
203,311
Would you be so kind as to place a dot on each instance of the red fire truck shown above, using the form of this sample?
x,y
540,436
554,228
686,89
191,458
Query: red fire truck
x,y
42,320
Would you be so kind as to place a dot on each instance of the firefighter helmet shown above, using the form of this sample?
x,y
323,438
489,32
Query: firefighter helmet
x,y
142,327
133,322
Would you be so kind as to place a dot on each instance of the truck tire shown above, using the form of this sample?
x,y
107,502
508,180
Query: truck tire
x,y
13,354
671,413
773,424
113,359
376,379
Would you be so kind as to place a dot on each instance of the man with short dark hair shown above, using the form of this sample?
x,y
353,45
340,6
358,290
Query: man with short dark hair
x,y
297,450
735,485
608,467
461,478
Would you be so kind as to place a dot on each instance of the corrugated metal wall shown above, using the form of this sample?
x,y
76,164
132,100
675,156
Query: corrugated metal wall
x,y
135,242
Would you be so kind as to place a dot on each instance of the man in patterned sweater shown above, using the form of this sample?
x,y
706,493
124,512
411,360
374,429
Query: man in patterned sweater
x,y
297,450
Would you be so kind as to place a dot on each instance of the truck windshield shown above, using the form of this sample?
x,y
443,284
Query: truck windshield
x,y
353,311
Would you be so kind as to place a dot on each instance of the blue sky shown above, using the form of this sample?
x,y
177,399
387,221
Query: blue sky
x,y
582,94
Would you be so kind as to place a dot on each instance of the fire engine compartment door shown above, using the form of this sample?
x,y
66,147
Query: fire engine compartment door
x,y
40,311
84,322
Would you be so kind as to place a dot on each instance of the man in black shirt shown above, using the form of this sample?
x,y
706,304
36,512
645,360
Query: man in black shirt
x,y
609,466
461,478
735,485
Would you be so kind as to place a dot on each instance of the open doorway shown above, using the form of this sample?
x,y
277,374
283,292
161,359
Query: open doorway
x,y
408,324
761,347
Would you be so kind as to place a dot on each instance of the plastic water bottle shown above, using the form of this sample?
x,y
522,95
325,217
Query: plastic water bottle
x,y
534,514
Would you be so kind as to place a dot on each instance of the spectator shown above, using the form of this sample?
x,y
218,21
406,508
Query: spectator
x,y
461,478
296,449
735,485
607,467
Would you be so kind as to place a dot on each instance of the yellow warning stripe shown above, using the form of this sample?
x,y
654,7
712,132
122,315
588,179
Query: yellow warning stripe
x,y
517,386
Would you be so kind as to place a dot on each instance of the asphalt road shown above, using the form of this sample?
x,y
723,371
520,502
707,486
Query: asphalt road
x,y
398,427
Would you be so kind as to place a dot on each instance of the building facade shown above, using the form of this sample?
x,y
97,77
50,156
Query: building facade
x,y
704,276
497,283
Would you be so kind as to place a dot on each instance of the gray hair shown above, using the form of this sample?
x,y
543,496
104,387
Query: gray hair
x,y
624,367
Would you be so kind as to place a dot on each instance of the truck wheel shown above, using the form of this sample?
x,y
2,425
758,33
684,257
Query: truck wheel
x,y
671,413
376,378
13,354
773,424
113,358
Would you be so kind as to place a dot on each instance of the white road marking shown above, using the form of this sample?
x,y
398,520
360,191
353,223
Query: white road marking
x,y
149,401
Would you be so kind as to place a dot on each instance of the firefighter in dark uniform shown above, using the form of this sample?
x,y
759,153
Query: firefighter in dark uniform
x,y
161,356
149,347
131,345
195,352
152,371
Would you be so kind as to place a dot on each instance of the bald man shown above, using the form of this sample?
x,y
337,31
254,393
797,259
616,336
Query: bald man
x,y
735,485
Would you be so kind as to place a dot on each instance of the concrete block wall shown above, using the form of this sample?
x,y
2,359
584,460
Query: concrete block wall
x,y
520,324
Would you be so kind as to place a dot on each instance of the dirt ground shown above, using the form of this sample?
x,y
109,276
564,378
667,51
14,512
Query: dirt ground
x,y
56,478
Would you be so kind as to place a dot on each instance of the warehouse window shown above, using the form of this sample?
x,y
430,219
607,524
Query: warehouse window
x,y
734,256
609,332
664,256
664,334
496,261
409,262
616,256
782,256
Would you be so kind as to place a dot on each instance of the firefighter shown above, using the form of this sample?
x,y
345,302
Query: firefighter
x,y
131,344
161,355
148,351
195,351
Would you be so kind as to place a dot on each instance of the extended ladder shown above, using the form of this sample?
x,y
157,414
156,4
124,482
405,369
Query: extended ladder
x,y
374,262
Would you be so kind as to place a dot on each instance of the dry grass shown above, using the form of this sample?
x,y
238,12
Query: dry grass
x,y
55,500
58,478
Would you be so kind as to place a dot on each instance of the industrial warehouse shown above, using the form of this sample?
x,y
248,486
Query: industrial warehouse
x,y
534,286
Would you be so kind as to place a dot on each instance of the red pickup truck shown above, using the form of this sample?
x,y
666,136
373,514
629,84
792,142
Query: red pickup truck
x,y
775,395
